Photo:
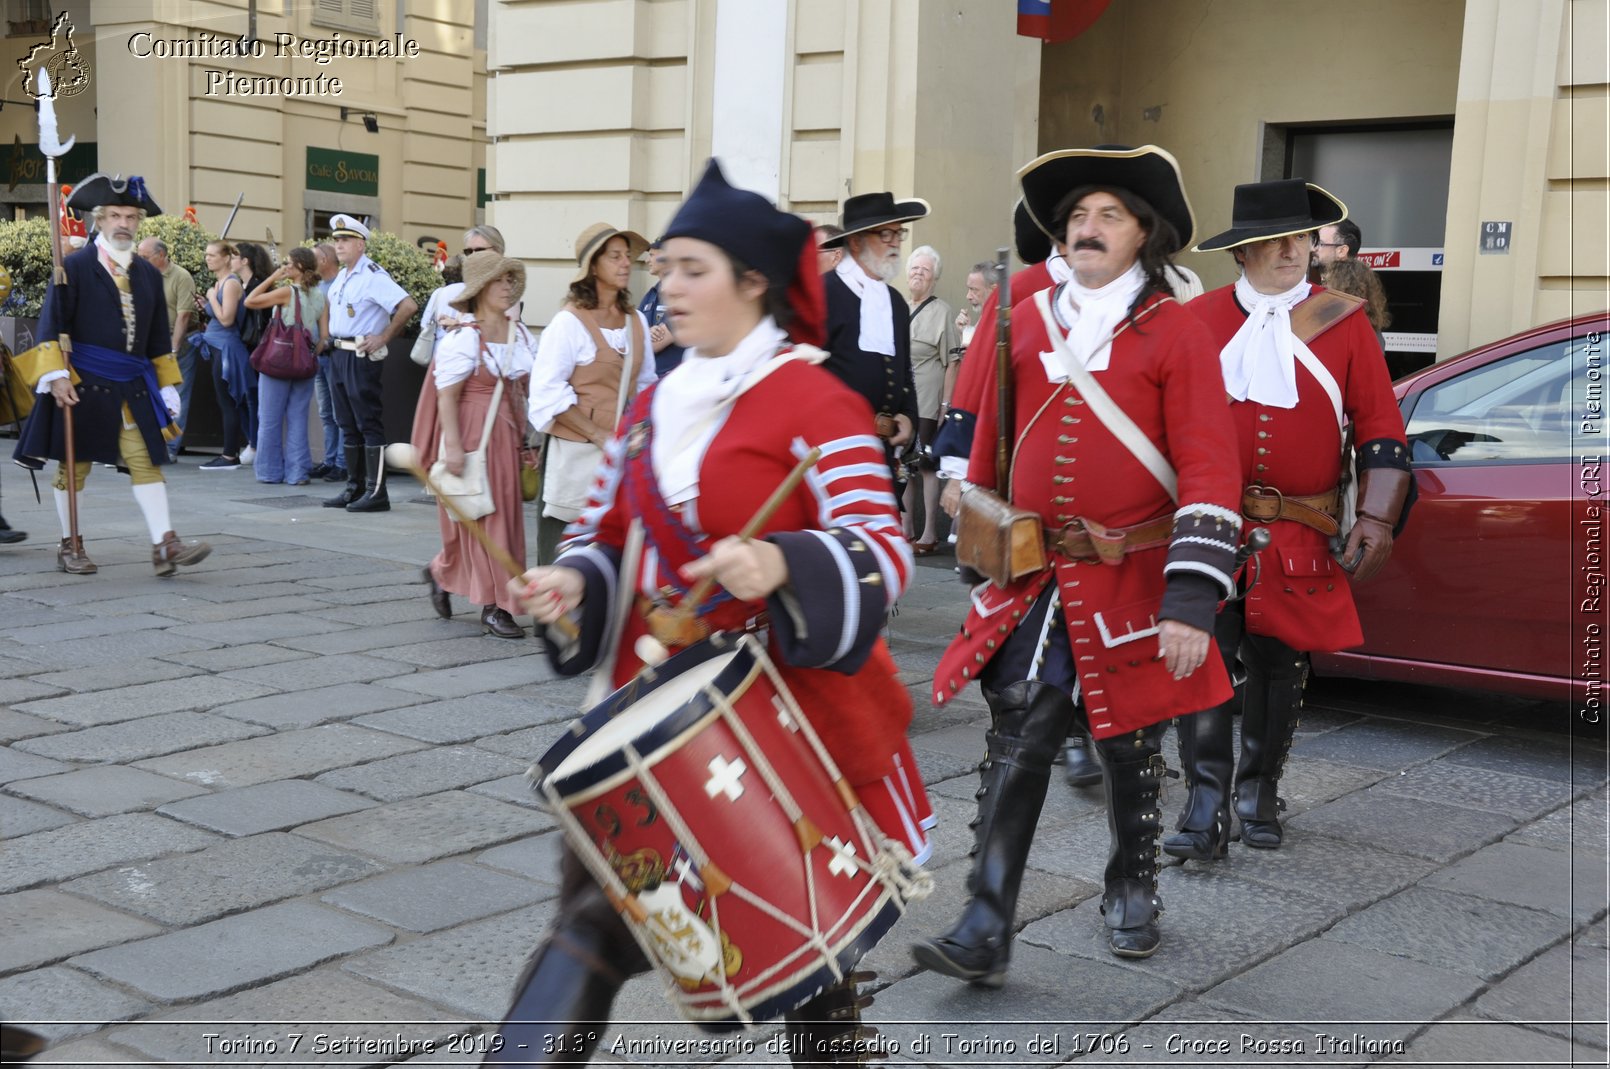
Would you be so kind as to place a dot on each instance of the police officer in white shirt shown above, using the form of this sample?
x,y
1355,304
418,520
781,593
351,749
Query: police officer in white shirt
x,y
367,309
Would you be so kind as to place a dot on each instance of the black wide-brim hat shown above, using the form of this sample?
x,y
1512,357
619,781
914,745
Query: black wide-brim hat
x,y
874,211
1033,244
1149,172
1264,210
100,190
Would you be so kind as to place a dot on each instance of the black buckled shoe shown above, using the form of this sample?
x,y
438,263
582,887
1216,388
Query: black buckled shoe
x,y
498,622
440,600
1081,768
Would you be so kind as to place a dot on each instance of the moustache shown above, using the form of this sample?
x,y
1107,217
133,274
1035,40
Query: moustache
x,y
1093,244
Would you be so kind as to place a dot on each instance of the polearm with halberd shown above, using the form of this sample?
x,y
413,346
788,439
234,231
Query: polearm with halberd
x,y
51,145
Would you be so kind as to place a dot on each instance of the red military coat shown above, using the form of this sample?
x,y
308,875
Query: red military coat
x,y
1303,597
1165,375
839,532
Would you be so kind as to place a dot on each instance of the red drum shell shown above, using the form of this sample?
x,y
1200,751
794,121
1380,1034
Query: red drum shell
x,y
718,887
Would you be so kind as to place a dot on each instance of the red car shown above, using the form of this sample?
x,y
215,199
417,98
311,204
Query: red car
x,y
1497,583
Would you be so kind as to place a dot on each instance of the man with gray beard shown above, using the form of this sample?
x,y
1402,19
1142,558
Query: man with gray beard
x,y
868,323
109,322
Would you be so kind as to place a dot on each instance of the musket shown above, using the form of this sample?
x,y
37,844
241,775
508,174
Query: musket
x,y
1003,374
51,145
224,233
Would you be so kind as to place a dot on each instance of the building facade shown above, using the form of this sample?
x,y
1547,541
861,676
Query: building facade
x,y
297,109
1468,136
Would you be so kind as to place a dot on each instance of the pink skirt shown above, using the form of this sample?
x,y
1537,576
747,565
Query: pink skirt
x,y
463,567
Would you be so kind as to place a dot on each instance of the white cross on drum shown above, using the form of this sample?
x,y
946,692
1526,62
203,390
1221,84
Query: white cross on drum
x,y
725,778
843,852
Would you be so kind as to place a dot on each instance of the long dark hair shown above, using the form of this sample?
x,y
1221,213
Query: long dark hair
x,y
584,294
257,259
1156,253
305,273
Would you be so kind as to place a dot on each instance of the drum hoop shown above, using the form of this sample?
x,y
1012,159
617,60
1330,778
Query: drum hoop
x,y
651,756
620,700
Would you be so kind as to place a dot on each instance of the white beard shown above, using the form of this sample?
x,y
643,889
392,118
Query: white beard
x,y
884,270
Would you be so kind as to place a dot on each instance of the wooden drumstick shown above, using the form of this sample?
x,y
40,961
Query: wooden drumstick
x,y
408,457
677,623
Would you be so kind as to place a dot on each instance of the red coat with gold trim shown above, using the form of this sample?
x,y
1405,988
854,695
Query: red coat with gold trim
x,y
1302,597
1164,373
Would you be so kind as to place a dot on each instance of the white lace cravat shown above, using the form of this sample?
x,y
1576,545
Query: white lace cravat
x,y
1260,361
877,315
1095,314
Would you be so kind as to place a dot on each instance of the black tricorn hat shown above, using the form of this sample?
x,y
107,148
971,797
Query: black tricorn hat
x,y
1149,172
99,190
1264,210
1033,244
874,211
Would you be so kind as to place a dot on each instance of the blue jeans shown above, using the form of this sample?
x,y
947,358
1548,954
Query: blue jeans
x,y
282,448
332,430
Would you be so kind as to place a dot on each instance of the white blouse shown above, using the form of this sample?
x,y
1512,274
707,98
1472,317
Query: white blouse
x,y
565,346
458,354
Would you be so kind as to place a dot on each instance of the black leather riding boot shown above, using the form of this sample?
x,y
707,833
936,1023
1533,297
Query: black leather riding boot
x,y
827,1030
1030,720
1134,772
1276,674
374,497
1207,752
1081,768
354,487
563,1000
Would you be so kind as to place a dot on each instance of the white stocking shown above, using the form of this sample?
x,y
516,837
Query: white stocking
x,y
153,501
61,510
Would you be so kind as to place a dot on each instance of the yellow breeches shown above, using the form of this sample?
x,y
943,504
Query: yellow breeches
x,y
131,448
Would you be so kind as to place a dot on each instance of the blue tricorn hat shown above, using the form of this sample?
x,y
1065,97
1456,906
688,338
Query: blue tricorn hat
x,y
752,230
744,224
100,190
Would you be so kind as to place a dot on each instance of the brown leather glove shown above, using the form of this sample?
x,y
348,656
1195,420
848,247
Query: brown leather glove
x,y
1381,493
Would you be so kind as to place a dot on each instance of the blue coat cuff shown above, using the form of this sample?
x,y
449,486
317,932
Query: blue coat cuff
x,y
955,435
831,610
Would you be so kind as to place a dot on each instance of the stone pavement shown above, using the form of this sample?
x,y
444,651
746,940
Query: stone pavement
x,y
276,796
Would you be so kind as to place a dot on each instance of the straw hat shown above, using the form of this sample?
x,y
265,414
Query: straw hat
x,y
481,269
591,243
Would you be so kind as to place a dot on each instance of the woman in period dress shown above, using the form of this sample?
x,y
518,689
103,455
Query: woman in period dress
x,y
454,406
705,447
593,358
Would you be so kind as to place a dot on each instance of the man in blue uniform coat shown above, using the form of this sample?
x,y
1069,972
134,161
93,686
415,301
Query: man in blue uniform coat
x,y
106,354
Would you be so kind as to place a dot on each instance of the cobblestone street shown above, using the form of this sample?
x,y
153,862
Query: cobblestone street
x,y
277,789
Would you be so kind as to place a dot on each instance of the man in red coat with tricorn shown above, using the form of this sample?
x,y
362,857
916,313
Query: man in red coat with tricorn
x,y
1300,363
1124,448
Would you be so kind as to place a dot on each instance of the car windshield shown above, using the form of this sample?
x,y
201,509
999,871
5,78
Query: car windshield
x,y
1522,407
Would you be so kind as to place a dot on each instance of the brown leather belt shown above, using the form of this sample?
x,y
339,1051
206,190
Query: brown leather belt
x,y
1083,539
1265,504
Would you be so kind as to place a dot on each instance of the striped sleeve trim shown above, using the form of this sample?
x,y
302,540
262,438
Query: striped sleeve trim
x,y
1204,543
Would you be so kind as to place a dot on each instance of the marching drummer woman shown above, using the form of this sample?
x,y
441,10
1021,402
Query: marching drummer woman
x,y
693,460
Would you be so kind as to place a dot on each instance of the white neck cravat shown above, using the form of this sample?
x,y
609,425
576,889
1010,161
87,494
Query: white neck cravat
x,y
121,257
1260,361
687,403
1095,314
1061,270
877,315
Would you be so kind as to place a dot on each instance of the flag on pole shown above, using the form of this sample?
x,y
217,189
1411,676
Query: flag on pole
x,y
1057,20
71,225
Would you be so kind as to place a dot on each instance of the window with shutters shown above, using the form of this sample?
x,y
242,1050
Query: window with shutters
x,y
358,16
